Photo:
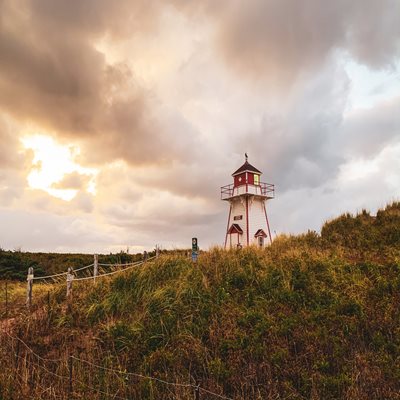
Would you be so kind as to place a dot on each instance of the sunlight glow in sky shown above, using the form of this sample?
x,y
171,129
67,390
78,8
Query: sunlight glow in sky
x,y
51,163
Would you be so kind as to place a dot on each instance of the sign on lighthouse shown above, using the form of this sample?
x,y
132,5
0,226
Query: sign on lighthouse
x,y
247,196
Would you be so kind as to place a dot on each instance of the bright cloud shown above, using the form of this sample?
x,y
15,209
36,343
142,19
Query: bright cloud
x,y
369,86
51,163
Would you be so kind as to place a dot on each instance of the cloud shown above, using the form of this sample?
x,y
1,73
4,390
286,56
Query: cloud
x,y
14,162
93,18
11,154
296,144
68,86
150,213
74,180
367,132
45,231
368,183
281,41
12,185
164,98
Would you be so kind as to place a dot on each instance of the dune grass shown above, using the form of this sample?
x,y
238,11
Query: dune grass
x,y
310,317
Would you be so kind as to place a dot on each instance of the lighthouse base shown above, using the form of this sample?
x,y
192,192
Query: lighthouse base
x,y
247,222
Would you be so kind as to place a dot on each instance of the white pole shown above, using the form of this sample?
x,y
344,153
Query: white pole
x,y
29,287
70,278
96,267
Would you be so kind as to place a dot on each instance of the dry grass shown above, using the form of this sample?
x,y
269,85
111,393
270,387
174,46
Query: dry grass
x,y
304,318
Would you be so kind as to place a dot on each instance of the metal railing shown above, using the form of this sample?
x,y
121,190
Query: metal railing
x,y
262,189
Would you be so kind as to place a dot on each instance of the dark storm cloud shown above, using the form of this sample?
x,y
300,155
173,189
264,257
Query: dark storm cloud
x,y
52,74
291,49
46,78
280,40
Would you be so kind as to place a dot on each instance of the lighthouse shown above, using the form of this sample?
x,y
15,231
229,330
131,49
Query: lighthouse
x,y
247,196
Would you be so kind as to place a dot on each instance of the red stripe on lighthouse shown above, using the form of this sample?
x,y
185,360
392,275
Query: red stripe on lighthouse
x,y
247,218
227,227
266,218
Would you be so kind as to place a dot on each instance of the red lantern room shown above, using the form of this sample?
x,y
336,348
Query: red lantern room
x,y
246,174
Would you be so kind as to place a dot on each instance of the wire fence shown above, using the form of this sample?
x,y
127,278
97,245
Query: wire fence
x,y
37,278
68,363
71,274
62,368
127,267
14,302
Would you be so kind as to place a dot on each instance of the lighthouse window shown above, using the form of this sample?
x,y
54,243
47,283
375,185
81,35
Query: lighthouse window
x,y
237,217
256,179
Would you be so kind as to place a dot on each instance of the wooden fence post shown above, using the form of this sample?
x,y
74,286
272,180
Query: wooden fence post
x,y
95,267
70,278
29,287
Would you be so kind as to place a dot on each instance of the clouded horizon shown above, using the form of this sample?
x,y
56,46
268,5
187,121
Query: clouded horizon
x,y
120,120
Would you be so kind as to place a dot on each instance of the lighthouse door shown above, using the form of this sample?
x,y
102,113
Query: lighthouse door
x,y
261,241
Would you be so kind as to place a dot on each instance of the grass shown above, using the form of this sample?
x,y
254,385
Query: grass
x,y
312,316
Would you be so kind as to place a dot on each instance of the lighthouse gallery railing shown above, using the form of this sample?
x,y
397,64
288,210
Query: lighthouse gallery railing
x,y
263,189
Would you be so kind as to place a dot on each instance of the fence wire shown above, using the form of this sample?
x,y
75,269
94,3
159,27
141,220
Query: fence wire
x,y
97,366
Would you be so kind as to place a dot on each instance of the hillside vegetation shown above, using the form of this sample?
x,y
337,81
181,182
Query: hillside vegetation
x,y
310,317
14,264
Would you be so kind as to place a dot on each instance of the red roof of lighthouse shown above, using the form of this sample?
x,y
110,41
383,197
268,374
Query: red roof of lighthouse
x,y
246,167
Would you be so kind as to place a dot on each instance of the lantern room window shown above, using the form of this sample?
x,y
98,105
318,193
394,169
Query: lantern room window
x,y
256,179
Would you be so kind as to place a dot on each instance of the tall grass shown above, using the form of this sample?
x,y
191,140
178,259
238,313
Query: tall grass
x,y
312,316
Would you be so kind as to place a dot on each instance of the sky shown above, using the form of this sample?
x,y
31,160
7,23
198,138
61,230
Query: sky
x,y
121,120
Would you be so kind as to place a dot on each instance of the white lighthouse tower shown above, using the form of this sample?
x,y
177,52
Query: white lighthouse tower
x,y
248,221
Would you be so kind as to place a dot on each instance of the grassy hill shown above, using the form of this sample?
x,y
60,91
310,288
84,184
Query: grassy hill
x,y
310,317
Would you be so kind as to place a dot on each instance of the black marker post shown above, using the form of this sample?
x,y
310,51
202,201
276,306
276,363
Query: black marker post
x,y
195,249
